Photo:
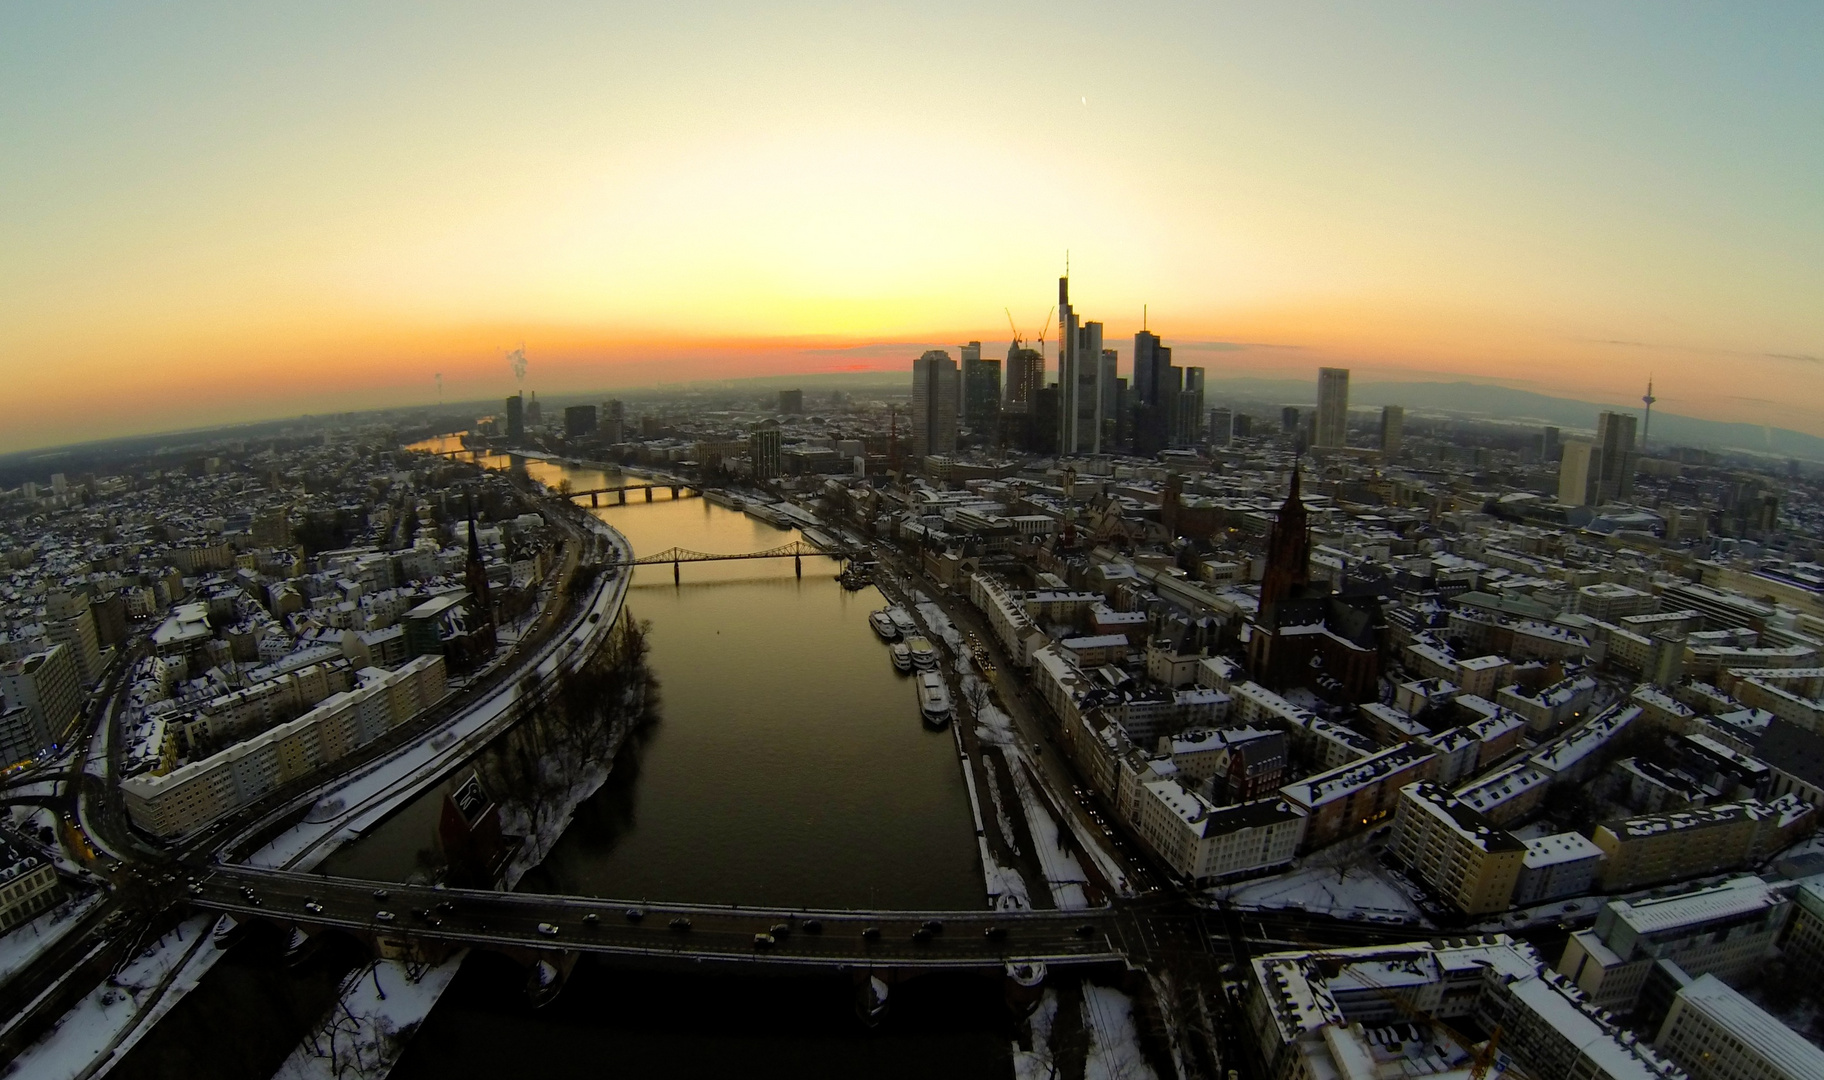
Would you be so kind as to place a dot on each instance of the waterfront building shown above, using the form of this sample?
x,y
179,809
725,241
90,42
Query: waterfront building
x,y
579,420
764,446
934,400
1332,407
516,420
1202,842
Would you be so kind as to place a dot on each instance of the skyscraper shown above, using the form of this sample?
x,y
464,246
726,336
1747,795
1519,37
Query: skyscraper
x,y
579,420
614,421
981,391
1024,375
1393,428
1222,427
934,390
1615,435
791,401
516,420
1332,407
1579,473
1156,388
1189,428
1079,361
1108,401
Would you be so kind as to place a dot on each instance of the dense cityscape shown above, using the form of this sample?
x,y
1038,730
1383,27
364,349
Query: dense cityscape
x,y
1298,740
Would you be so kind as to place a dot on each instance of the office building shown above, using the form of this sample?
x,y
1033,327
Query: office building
x,y
791,401
1615,438
1025,374
1393,428
1079,379
1714,1033
1579,473
1156,388
1188,430
981,391
614,421
579,420
1332,407
69,621
934,396
1464,858
1222,427
47,686
763,450
1110,392
516,420
1724,930
1549,446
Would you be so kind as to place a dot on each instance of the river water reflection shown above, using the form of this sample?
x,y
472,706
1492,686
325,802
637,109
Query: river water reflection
x,y
788,766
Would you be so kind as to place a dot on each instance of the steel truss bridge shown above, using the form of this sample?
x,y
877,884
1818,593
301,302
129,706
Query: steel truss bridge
x,y
797,551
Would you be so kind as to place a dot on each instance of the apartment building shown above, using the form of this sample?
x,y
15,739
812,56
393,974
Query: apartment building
x,y
1359,795
1459,854
1714,1033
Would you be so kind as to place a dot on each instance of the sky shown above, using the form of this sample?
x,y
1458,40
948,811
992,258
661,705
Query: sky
x,y
211,214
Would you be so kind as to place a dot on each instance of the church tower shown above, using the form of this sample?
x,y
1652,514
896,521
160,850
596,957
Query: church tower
x,y
1288,554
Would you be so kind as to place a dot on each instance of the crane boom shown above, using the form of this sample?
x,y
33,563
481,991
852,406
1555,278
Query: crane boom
x,y
1016,330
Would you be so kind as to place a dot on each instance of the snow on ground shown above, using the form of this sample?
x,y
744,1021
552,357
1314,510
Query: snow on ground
x,y
368,1029
1035,1064
189,977
44,789
1327,890
544,835
22,945
1000,811
939,624
1005,885
1114,1042
1578,908
91,1029
1062,870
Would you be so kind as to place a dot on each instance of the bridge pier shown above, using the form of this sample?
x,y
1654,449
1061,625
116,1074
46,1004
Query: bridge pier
x,y
798,565
595,498
676,577
674,493
648,492
621,494
549,974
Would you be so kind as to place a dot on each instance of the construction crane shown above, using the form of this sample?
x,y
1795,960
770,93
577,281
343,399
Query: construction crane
x,y
1017,340
1044,329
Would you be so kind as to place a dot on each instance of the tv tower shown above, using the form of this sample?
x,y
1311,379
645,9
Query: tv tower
x,y
1646,428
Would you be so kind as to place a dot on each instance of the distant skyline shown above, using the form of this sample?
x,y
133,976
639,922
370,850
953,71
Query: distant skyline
x,y
211,215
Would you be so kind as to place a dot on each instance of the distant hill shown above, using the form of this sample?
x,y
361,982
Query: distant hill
x,y
1520,406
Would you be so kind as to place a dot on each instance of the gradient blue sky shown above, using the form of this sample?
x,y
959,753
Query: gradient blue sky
x,y
215,213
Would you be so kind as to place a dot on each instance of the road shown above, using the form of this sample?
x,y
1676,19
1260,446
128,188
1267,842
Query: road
x,y
724,933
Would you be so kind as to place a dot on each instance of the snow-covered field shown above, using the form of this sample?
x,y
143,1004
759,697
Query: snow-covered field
x,y
368,1028
22,945
96,1027
1326,890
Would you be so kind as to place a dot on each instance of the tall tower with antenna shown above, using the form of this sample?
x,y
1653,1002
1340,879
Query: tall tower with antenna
x,y
1646,427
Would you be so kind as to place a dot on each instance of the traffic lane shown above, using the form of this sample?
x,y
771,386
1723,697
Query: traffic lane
x,y
719,931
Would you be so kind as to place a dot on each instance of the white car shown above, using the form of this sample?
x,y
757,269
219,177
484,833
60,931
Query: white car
x,y
547,929
383,916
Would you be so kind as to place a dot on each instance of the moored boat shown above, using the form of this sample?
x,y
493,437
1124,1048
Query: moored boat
x,y
924,654
933,698
904,620
883,625
902,656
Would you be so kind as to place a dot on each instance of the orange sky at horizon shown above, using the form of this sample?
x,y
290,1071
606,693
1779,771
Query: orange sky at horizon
x,y
210,217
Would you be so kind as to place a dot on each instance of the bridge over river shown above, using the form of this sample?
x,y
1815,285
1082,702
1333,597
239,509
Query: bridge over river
x,y
511,922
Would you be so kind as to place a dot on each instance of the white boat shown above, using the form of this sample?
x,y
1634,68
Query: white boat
x,y
924,654
933,698
902,656
904,620
883,625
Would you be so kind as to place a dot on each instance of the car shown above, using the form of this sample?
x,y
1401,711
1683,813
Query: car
x,y
995,933
547,929
254,900
763,941
194,890
382,894
936,926
313,907
812,926
1085,930
921,935
680,923
635,914
384,916
870,933
780,930
422,914
443,907
246,892
591,918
